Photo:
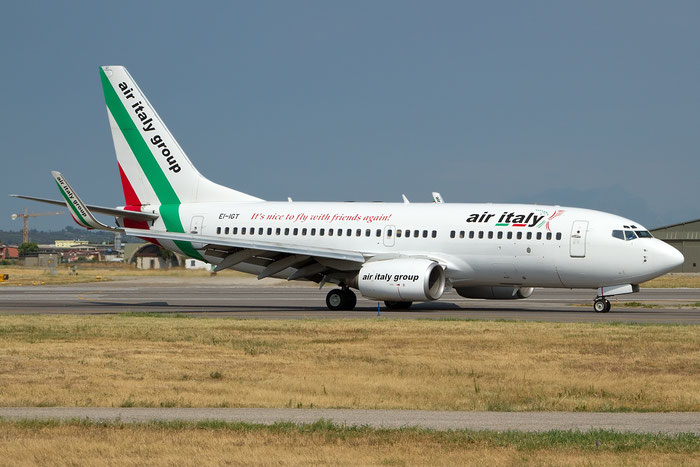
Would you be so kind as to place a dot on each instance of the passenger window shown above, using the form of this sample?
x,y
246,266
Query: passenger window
x,y
235,230
218,230
358,233
269,230
519,235
529,235
368,232
500,235
340,232
471,234
558,235
278,231
389,233
303,232
295,231
509,235
452,234
629,235
226,230
286,230
539,235
242,230
434,234
348,233
481,234
461,234
618,234
490,234
416,233
398,233
549,235
260,231
321,232
330,232
425,234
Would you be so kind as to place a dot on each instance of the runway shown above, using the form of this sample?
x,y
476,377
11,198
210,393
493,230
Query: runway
x,y
243,298
666,422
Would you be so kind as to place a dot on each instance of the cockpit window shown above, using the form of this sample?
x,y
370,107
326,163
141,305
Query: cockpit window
x,y
629,235
618,234
643,234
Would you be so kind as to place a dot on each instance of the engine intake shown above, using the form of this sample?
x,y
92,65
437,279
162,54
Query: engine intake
x,y
495,293
402,279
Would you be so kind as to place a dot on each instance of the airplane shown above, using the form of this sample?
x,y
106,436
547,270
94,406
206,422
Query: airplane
x,y
398,253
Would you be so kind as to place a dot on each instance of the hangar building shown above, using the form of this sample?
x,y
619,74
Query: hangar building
x,y
685,237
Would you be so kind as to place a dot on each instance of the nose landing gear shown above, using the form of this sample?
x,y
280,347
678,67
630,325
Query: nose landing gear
x,y
341,299
601,305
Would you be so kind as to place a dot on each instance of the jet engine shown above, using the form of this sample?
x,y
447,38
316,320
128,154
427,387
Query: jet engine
x,y
402,280
495,293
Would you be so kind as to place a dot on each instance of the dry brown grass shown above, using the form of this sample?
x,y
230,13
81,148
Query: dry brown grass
x,y
84,444
674,280
438,365
88,272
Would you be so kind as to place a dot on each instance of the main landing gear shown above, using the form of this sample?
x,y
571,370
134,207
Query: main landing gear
x,y
601,305
341,299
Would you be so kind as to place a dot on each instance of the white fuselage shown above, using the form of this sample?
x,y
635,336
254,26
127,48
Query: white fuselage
x,y
478,244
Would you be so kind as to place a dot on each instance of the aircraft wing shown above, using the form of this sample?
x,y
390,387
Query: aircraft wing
x,y
310,262
114,212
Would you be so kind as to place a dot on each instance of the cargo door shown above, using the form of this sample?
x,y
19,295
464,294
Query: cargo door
x,y
578,239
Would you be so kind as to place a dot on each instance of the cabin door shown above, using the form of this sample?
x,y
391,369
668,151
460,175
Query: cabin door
x,y
578,239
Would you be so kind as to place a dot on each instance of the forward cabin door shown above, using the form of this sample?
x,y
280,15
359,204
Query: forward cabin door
x,y
578,239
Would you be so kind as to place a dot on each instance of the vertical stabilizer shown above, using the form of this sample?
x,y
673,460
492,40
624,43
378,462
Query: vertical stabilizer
x,y
153,167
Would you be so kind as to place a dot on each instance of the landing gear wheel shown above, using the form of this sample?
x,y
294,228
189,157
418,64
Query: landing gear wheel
x,y
335,299
350,299
397,305
601,305
341,299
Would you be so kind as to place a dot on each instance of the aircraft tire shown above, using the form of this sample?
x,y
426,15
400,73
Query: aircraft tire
x,y
601,305
350,300
391,305
335,299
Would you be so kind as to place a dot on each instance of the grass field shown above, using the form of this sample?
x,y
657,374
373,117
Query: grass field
x,y
88,272
213,443
155,361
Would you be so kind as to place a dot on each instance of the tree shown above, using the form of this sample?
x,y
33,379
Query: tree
x,y
26,248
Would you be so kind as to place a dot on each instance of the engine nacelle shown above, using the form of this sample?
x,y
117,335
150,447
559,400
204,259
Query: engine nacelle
x,y
495,293
402,280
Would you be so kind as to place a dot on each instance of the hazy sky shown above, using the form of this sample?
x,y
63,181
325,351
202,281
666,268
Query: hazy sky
x,y
591,103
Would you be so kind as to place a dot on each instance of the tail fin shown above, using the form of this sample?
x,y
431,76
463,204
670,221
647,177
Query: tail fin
x,y
153,167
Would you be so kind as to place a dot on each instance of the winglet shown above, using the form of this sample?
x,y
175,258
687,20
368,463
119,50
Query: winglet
x,y
78,210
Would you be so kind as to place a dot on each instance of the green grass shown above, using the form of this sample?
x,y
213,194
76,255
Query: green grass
x,y
592,440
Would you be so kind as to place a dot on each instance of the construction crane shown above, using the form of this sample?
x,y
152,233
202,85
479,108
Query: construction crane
x,y
26,216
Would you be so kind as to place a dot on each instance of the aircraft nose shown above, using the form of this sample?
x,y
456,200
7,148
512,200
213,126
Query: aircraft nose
x,y
668,257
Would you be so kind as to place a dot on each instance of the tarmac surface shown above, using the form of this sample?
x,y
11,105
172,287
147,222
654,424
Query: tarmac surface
x,y
245,298
667,422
